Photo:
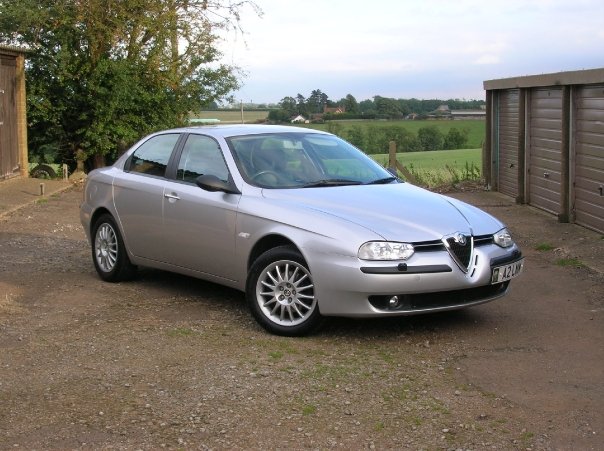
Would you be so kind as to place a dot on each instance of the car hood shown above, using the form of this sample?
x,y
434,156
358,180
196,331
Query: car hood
x,y
397,212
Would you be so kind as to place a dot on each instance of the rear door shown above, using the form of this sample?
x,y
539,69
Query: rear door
x,y
138,196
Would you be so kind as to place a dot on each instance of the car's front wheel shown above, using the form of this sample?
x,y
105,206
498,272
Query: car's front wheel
x,y
281,293
109,252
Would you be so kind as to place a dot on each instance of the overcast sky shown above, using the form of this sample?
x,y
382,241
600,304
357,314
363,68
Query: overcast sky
x,y
403,48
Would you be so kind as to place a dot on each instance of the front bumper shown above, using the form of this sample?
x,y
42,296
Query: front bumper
x,y
428,282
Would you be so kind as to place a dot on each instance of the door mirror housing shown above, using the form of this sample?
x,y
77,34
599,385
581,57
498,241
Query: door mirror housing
x,y
212,183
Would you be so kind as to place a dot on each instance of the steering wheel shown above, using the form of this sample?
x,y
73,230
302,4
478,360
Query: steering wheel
x,y
260,174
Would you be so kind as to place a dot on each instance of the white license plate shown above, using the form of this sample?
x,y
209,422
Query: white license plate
x,y
507,272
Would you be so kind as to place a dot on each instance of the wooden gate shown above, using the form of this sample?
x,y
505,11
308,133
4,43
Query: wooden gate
x,y
9,148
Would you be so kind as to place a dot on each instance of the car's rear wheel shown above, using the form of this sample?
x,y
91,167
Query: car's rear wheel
x,y
109,252
281,293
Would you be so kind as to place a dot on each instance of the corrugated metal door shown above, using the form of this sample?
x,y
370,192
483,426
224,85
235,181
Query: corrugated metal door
x,y
589,157
9,152
507,142
545,149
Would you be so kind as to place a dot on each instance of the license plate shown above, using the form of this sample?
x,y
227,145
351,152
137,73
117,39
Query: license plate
x,y
506,272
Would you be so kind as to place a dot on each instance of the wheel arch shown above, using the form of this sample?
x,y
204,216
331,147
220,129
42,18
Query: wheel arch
x,y
267,243
97,214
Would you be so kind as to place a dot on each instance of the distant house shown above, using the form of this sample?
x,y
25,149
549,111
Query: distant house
x,y
299,119
469,114
13,121
334,110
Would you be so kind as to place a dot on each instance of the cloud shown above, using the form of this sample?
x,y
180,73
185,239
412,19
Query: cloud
x,y
487,59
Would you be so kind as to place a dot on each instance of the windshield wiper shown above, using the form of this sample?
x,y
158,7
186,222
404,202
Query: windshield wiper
x,y
382,181
331,182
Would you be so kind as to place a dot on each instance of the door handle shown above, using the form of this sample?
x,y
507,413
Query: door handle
x,y
171,196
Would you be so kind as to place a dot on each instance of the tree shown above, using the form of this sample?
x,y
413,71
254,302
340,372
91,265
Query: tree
x,y
301,104
317,101
351,104
102,74
387,108
289,105
430,138
456,139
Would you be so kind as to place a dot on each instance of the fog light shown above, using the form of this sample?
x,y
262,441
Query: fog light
x,y
394,302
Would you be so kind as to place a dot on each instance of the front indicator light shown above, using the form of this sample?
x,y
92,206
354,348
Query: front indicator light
x,y
385,250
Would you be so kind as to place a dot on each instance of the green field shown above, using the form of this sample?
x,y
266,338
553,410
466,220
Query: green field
x,y
476,128
439,167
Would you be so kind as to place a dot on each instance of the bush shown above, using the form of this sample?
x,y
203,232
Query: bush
x,y
430,138
456,139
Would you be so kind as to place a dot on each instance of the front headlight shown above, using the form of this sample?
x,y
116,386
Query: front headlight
x,y
385,250
503,238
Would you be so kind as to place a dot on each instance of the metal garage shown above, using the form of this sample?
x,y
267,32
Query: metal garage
x,y
545,143
507,141
588,174
13,134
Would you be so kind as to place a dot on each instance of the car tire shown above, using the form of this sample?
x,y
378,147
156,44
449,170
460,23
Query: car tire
x,y
109,252
281,295
43,171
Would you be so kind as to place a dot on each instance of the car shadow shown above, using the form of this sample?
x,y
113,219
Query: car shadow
x,y
187,290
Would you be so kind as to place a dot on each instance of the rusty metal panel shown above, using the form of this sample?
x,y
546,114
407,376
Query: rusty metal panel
x,y
545,149
507,141
588,183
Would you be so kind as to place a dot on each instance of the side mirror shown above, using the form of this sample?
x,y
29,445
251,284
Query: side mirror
x,y
212,183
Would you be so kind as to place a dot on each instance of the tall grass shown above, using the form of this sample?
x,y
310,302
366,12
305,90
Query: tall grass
x,y
439,168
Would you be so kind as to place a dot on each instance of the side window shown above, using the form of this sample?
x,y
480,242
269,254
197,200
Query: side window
x,y
201,155
153,155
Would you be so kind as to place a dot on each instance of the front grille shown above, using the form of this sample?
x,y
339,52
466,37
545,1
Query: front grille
x,y
483,240
461,251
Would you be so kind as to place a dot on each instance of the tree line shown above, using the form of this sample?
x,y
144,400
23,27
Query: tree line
x,y
374,139
377,108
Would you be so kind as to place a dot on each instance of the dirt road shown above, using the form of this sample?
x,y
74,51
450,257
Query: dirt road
x,y
168,361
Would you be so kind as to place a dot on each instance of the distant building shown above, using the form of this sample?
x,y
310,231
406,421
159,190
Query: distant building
x,y
13,120
334,110
469,114
299,119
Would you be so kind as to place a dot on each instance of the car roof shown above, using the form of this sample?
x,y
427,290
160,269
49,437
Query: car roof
x,y
228,130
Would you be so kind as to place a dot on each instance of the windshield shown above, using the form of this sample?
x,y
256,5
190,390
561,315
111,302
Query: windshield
x,y
303,160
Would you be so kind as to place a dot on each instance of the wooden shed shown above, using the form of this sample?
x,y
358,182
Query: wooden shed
x,y
545,143
13,121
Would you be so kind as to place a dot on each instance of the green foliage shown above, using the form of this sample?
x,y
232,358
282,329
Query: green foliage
x,y
279,116
102,74
456,139
439,168
573,262
473,130
544,247
430,138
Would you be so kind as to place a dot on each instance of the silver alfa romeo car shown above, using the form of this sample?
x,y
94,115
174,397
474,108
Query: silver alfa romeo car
x,y
300,220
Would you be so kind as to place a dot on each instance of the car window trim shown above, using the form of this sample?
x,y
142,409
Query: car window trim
x,y
172,169
170,164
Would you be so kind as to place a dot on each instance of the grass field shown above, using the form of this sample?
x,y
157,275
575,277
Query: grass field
x,y
439,167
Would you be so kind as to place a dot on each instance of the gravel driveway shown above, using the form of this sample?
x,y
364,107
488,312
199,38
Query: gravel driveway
x,y
169,361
